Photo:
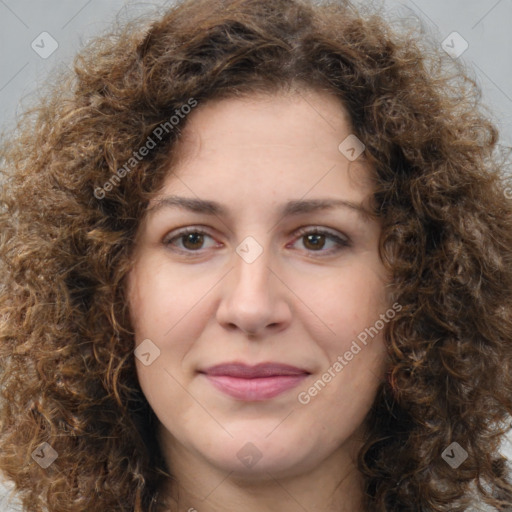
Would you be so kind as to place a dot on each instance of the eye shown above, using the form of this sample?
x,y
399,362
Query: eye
x,y
192,239
314,240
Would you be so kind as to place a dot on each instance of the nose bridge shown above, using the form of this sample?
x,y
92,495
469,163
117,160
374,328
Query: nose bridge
x,y
252,298
252,268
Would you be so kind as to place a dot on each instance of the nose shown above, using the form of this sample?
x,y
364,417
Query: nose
x,y
254,298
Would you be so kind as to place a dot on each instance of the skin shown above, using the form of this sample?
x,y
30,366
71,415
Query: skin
x,y
298,303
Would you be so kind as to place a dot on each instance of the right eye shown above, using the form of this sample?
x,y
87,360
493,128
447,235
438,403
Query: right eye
x,y
192,239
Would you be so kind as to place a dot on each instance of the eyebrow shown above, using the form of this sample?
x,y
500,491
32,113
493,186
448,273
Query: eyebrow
x,y
291,208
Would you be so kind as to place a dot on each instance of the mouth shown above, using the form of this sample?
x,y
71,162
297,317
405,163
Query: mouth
x,y
254,383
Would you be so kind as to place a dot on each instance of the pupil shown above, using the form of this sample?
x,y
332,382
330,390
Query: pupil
x,y
316,243
194,238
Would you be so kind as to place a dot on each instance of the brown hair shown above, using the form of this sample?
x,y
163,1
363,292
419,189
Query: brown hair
x,y
66,340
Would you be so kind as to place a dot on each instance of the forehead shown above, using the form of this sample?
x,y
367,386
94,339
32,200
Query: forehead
x,y
302,118
266,147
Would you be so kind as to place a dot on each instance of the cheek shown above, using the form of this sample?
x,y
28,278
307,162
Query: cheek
x,y
162,296
354,349
348,302
167,306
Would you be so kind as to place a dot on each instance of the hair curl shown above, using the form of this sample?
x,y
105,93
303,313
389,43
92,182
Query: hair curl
x,y
66,339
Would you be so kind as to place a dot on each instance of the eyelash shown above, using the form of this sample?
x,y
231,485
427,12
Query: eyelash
x,y
342,243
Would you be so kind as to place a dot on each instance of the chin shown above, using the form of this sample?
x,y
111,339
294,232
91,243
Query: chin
x,y
254,457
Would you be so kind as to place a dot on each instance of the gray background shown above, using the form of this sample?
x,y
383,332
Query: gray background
x,y
484,24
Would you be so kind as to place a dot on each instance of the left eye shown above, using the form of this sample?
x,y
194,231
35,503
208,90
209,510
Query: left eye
x,y
316,238
192,240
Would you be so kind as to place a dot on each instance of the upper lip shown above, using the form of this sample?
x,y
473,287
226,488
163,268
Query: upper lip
x,y
244,371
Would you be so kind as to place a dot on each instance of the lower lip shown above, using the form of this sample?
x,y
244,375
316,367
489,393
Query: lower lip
x,y
255,389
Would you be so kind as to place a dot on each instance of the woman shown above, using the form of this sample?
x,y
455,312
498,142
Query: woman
x,y
257,256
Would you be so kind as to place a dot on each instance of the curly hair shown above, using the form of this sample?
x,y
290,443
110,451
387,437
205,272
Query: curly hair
x,y
66,338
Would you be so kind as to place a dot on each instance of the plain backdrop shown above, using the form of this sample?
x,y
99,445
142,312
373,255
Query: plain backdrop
x,y
37,37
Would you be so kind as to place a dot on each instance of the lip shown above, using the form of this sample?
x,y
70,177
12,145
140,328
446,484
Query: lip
x,y
254,383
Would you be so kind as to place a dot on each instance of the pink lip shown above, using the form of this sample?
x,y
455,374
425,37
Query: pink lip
x,y
254,383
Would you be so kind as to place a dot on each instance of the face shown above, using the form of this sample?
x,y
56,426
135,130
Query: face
x,y
259,308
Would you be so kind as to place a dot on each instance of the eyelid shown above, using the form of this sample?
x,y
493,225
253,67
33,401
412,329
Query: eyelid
x,y
320,229
341,239
180,232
